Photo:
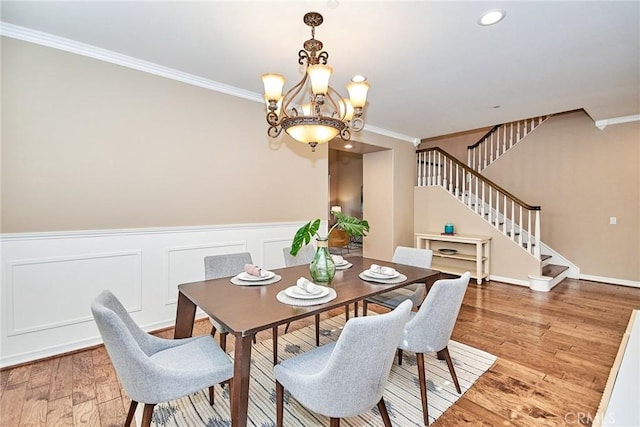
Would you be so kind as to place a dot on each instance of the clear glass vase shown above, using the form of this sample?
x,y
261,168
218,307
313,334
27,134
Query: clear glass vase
x,y
322,267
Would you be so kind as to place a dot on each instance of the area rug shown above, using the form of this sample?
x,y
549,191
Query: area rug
x,y
402,393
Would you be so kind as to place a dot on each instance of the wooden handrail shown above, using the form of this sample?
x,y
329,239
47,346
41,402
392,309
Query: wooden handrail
x,y
493,129
479,176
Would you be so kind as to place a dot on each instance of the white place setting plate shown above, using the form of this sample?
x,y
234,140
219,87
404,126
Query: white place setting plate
x,y
273,278
344,266
388,280
297,301
376,275
266,275
297,292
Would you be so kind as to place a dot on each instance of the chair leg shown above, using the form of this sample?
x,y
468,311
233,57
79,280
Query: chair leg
x,y
132,412
382,408
364,307
286,328
213,331
317,330
279,404
275,345
147,414
334,422
423,388
355,309
451,369
223,341
399,357
211,395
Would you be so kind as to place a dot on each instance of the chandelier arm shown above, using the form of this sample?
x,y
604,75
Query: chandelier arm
x,y
323,58
274,131
272,118
292,94
335,105
303,57
356,124
345,134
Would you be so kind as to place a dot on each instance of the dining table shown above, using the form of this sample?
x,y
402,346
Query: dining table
x,y
249,309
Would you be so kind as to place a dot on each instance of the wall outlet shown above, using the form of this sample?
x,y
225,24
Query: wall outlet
x,y
613,220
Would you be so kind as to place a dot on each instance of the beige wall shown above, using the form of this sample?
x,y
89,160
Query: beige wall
x,y
581,176
92,145
388,181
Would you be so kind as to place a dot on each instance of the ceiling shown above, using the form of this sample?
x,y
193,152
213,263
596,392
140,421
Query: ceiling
x,y
433,70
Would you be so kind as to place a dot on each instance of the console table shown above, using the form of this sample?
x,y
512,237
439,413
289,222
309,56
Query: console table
x,y
457,253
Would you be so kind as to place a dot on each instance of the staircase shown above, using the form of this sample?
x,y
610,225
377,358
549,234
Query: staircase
x,y
499,140
515,219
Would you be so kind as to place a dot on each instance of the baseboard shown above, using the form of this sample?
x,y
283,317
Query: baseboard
x,y
610,280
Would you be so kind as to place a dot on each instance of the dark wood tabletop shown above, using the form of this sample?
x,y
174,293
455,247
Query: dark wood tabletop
x,y
246,310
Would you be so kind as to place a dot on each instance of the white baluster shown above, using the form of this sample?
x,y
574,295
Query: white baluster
x,y
423,166
438,167
513,220
529,235
497,218
483,199
536,250
504,139
518,132
476,195
505,216
490,149
510,134
520,227
490,204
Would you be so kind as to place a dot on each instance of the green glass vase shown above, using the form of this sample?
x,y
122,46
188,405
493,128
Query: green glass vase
x,y
322,268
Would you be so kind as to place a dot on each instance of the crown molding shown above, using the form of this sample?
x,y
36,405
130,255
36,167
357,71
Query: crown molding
x,y
374,129
68,45
601,124
73,46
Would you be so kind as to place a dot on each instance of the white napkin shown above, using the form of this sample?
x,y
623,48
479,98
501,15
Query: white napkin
x,y
307,286
387,271
254,270
337,259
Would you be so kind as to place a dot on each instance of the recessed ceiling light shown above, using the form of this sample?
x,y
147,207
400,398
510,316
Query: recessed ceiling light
x,y
347,146
492,17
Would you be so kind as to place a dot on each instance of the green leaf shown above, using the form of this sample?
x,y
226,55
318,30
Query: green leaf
x,y
304,235
353,226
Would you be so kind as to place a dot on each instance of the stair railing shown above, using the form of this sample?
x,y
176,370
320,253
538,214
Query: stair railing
x,y
498,140
514,218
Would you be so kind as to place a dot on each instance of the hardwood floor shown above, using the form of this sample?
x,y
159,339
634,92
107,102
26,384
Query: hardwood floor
x,y
554,352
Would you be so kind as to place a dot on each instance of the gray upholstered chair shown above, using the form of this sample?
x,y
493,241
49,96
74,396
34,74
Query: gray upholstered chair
x,y
415,257
429,330
347,377
225,265
152,369
305,256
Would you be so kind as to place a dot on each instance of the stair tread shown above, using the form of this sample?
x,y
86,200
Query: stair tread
x,y
544,257
553,270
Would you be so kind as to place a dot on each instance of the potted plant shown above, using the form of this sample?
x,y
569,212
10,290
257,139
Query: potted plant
x,y
322,267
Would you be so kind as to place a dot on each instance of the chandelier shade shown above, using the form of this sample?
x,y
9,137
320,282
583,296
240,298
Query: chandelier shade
x,y
312,111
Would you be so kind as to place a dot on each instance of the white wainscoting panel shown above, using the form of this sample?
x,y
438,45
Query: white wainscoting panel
x,y
48,293
50,279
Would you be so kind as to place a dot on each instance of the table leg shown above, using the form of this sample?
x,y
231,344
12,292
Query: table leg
x,y
240,389
185,316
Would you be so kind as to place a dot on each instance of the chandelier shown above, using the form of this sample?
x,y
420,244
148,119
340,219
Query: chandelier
x,y
313,112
